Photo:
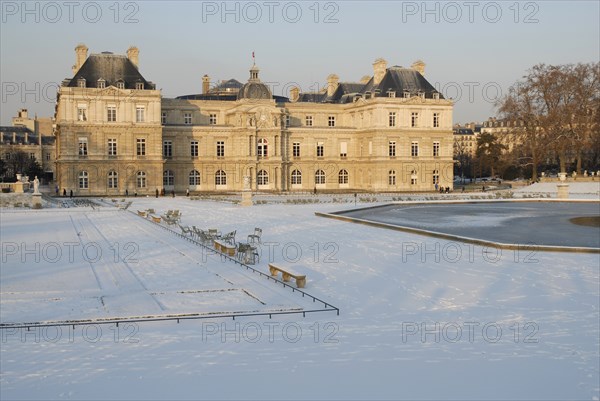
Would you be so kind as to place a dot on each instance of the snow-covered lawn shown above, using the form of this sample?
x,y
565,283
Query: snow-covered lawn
x,y
421,318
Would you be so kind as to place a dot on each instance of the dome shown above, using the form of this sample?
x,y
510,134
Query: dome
x,y
254,89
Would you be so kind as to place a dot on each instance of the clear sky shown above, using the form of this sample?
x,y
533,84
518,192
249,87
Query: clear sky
x,y
473,50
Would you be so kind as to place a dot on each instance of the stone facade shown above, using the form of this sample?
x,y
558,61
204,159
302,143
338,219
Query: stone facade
x,y
347,137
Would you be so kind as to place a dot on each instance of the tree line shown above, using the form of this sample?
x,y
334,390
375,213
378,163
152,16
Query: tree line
x,y
554,112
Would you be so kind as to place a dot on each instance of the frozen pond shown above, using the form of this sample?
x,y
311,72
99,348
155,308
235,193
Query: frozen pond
x,y
535,223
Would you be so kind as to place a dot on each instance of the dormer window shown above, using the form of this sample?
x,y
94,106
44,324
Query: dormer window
x,y
120,84
81,82
101,83
391,93
139,85
436,95
422,95
405,94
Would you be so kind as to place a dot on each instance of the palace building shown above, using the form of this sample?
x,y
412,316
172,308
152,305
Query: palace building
x,y
390,132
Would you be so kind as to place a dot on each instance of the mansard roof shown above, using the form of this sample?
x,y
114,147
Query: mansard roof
x,y
229,85
396,79
112,68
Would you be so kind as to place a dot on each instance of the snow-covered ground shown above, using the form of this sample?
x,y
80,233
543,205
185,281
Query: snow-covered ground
x,y
589,189
421,318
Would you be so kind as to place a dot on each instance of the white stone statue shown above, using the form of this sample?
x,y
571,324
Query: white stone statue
x,y
36,185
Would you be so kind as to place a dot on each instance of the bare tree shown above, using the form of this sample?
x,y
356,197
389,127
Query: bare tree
x,y
558,108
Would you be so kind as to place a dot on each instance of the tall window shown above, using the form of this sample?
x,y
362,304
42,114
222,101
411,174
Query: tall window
x,y
414,119
140,114
436,120
140,146
436,177
263,145
392,148
220,178
139,85
319,177
414,149
81,113
83,146
343,177
111,114
194,178
167,149
101,83
288,120
113,179
320,149
343,149
331,121
83,180
168,178
141,179
392,119
436,149
163,117
194,149
112,146
187,118
392,177
262,178
296,149
212,119
220,148
48,156
309,121
296,177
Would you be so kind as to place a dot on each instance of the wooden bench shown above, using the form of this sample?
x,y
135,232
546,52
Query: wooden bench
x,y
300,279
142,213
225,248
155,219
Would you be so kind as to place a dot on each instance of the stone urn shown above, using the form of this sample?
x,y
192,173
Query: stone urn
x,y
562,176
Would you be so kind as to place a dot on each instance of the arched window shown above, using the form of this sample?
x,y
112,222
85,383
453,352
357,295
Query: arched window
x,y
436,177
83,180
319,177
343,177
262,178
296,177
413,177
220,178
194,178
392,177
263,146
168,178
113,179
141,179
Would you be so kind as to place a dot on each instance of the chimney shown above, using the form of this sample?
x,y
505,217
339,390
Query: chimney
x,y
379,67
80,56
26,138
294,94
133,56
22,113
14,137
419,66
205,83
332,84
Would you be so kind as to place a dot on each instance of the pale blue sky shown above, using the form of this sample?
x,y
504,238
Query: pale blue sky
x,y
465,44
